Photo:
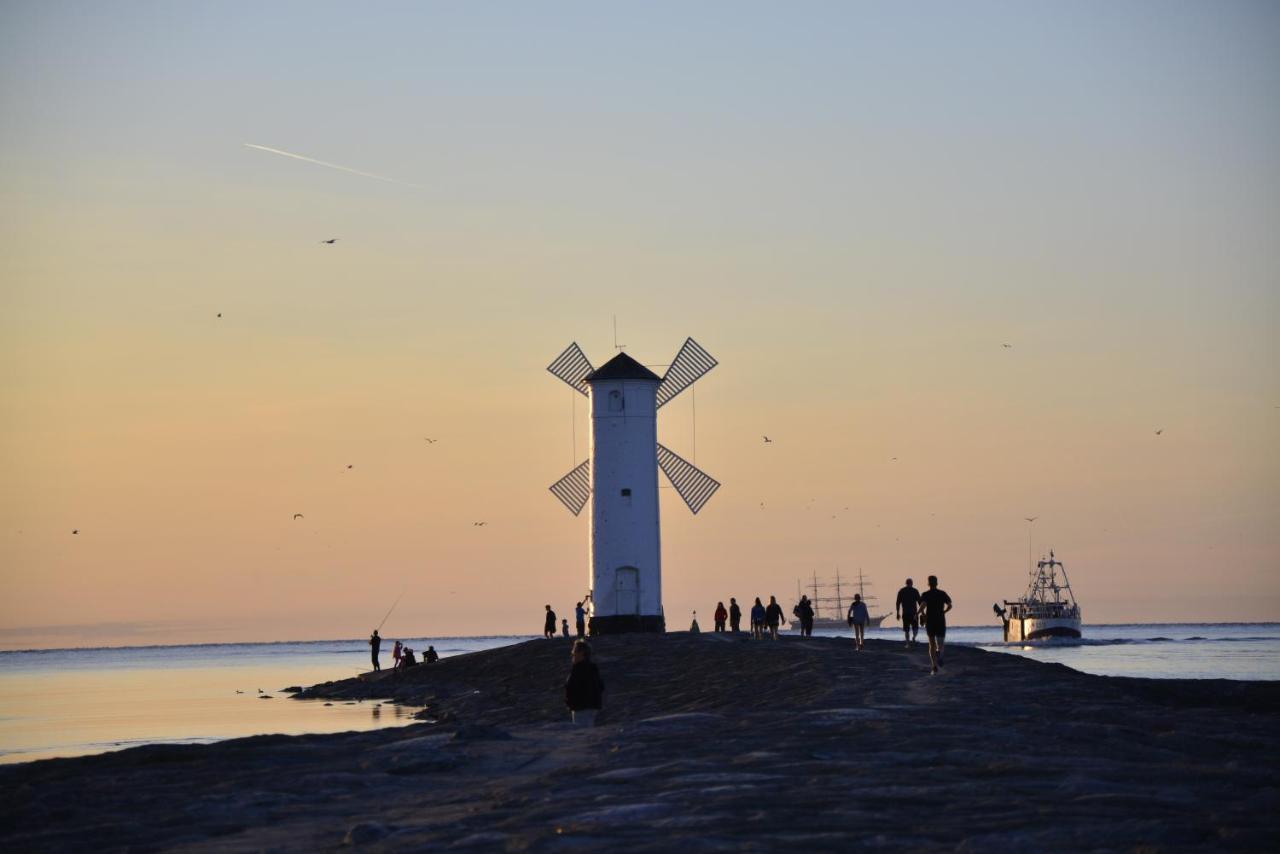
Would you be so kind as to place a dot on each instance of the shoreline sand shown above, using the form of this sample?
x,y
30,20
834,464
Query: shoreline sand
x,y
706,743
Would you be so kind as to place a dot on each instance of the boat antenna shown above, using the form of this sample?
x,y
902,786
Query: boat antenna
x,y
389,610
1030,520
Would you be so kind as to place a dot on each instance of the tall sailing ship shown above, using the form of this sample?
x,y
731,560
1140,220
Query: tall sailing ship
x,y
1047,610
830,611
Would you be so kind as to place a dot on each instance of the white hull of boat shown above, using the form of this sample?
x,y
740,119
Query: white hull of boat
x,y
1037,628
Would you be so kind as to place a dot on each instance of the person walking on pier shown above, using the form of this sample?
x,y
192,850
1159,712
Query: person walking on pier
x,y
757,620
735,616
773,616
549,627
720,616
858,619
908,606
804,612
375,644
936,605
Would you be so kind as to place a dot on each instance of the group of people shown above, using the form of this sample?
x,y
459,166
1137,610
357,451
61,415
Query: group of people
x,y
402,654
580,617
912,606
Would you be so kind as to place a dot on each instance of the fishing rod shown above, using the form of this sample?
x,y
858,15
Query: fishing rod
x,y
389,610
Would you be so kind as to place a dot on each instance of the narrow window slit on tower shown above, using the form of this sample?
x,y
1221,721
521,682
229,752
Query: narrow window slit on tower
x,y
626,493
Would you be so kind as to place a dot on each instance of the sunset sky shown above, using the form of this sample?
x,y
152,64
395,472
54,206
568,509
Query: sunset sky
x,y
853,206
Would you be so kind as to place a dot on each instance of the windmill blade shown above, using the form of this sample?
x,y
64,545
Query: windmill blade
x,y
574,489
572,366
694,485
689,364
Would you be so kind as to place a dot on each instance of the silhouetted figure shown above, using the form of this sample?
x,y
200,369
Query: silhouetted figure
x,y
584,689
720,616
430,656
908,608
936,605
735,616
773,616
858,619
803,611
693,627
757,620
580,615
564,628
406,658
396,652
549,627
375,644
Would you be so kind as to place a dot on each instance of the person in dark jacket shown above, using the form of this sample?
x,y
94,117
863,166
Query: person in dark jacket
x,y
757,620
773,617
549,627
721,615
580,614
375,644
907,606
804,612
584,689
735,616
430,656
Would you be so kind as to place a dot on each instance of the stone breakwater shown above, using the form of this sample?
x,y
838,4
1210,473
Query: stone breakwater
x,y
707,743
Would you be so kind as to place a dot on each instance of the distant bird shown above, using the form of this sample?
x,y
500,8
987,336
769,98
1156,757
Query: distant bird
x,y
1007,346
350,467
1161,430
219,314
298,516
239,692
893,459
76,531
260,691
330,241
479,524
767,440
431,441
1030,518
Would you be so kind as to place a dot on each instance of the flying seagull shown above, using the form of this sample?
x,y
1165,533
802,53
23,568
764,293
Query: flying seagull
x,y
1007,346
76,531
431,441
1030,518
767,440
298,516
1161,430
479,524
330,241
219,314
350,467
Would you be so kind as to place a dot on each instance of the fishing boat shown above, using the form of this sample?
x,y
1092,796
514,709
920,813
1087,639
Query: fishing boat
x,y
1047,610
830,611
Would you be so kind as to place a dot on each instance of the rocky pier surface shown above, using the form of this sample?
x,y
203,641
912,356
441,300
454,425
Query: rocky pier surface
x,y
707,743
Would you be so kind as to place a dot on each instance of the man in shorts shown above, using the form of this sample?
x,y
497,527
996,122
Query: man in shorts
x,y
936,604
908,606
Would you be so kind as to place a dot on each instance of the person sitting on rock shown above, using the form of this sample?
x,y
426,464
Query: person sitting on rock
x,y
584,689
406,658
430,656
564,628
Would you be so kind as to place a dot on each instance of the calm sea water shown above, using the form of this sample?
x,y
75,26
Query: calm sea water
x,y
75,702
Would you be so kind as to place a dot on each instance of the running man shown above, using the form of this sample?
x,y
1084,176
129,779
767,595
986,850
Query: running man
x,y
936,605
908,606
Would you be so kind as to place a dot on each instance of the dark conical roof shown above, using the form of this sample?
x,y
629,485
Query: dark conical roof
x,y
622,367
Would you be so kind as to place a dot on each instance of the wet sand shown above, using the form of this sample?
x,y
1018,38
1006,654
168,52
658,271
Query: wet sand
x,y
707,743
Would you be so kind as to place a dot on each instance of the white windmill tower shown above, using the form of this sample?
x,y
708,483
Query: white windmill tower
x,y
620,478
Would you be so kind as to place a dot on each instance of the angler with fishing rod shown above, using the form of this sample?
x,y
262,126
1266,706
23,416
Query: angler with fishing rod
x,y
375,640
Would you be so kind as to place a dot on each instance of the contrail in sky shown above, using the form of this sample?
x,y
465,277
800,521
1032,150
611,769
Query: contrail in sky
x,y
331,165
